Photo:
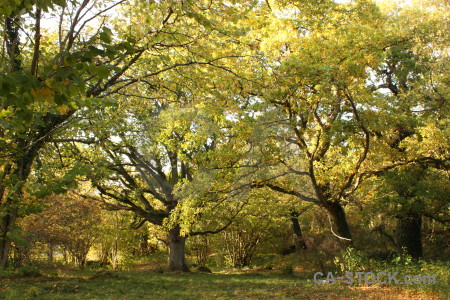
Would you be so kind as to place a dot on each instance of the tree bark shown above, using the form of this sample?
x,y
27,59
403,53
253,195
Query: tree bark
x,y
6,224
299,242
12,42
339,219
50,252
37,138
10,207
409,234
177,255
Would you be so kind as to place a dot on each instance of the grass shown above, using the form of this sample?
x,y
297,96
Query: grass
x,y
146,284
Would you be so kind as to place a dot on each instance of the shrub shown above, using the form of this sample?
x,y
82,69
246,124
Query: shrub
x,y
352,260
29,271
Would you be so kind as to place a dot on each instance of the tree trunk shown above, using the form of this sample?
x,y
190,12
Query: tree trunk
x,y
22,170
340,225
50,252
299,242
177,257
7,222
9,209
409,234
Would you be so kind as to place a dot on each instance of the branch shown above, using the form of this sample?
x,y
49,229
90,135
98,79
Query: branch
x,y
174,66
230,221
121,170
331,229
302,143
381,171
153,216
168,16
37,43
363,155
380,230
158,175
96,91
96,15
213,231
440,220
268,5
284,191
302,173
87,142
323,148
138,223
70,37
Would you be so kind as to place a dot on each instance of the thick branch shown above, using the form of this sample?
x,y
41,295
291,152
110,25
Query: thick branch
x,y
87,142
230,221
37,43
284,191
436,218
363,156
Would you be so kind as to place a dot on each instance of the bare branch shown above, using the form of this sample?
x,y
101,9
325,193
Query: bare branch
x,y
332,231
95,16
70,37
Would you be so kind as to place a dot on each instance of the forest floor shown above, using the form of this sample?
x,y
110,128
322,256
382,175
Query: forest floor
x,y
146,283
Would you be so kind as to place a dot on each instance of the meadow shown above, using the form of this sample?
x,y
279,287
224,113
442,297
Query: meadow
x,y
142,281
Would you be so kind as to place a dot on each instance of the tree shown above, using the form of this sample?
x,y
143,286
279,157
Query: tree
x,y
318,83
170,119
67,221
47,79
173,108
412,81
142,162
317,86
64,72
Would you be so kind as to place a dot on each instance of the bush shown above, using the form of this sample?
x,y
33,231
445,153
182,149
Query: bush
x,y
352,261
29,271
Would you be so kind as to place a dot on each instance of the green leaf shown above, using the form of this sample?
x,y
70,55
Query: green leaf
x,y
106,35
102,71
60,99
69,60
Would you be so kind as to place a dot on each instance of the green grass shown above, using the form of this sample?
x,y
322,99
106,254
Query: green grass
x,y
144,284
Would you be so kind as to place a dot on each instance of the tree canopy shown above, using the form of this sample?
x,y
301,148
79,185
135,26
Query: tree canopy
x,y
186,113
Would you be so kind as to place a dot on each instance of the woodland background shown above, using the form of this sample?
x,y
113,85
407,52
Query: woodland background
x,y
290,136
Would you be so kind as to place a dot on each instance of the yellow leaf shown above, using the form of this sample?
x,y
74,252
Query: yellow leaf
x,y
62,109
44,94
33,93
49,82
